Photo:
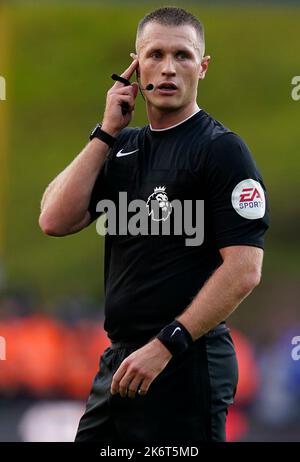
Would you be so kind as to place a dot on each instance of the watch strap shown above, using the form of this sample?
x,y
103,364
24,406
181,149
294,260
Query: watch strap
x,y
103,136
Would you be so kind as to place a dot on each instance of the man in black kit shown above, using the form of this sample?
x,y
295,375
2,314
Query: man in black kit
x,y
170,372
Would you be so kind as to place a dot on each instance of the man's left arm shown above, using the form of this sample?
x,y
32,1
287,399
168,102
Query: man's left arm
x,y
228,286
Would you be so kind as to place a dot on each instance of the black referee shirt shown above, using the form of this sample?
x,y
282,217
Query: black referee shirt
x,y
150,279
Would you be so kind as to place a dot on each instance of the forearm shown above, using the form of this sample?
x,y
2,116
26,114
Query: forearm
x,y
64,206
218,298
66,199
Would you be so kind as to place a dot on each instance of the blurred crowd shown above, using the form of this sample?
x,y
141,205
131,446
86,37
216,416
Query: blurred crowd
x,y
49,358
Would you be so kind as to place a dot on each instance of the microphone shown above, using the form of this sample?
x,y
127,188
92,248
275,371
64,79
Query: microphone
x,y
126,82
118,78
149,87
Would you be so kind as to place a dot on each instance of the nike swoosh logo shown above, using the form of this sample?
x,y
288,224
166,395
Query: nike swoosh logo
x,y
120,153
177,328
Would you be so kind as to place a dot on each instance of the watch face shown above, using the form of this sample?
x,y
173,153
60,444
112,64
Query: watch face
x,y
94,131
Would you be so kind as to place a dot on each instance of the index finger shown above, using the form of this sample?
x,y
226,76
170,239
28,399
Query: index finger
x,y
127,73
130,70
114,388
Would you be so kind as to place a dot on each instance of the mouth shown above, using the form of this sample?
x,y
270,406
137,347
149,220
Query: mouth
x,y
167,88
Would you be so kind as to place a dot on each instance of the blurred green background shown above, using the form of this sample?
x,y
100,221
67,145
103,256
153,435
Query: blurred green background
x,y
60,60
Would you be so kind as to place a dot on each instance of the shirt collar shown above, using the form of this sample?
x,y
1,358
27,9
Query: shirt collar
x,y
176,125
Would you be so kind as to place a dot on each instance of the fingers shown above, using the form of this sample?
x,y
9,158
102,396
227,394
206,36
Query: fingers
x,y
114,388
126,382
128,385
128,102
144,386
139,387
131,386
121,96
134,386
129,382
126,94
123,90
127,74
130,70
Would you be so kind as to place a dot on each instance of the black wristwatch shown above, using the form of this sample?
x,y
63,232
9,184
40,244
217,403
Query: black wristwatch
x,y
103,136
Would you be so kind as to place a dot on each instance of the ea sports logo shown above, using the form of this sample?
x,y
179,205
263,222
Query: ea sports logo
x,y
248,199
158,204
249,194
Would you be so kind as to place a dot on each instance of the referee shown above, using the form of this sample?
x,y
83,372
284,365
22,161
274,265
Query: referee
x,y
171,371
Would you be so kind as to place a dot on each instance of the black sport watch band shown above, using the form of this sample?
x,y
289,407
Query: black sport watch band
x,y
103,136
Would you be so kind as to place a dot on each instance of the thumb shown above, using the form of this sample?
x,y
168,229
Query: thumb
x,y
135,89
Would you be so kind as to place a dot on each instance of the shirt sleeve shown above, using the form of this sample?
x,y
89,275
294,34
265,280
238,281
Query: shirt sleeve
x,y
98,193
235,193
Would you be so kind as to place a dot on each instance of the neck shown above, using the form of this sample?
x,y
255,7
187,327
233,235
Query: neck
x,y
163,119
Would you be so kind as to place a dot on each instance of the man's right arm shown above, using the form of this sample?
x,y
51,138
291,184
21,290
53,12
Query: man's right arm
x,y
64,206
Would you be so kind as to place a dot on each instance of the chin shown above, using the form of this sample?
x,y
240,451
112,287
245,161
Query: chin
x,y
167,105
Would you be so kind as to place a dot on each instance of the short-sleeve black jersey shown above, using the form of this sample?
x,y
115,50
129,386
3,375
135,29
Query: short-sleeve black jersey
x,y
150,279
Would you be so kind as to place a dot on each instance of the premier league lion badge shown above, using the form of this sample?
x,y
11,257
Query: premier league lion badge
x,y
158,204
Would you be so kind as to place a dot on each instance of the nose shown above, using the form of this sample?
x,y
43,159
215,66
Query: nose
x,y
168,67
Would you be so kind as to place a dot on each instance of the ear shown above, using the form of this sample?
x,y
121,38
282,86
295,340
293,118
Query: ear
x,y
204,66
133,56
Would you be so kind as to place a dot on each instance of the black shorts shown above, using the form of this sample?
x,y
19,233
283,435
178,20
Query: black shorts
x,y
187,402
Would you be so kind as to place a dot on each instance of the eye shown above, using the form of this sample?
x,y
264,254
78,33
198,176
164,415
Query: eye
x,y
182,55
156,54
